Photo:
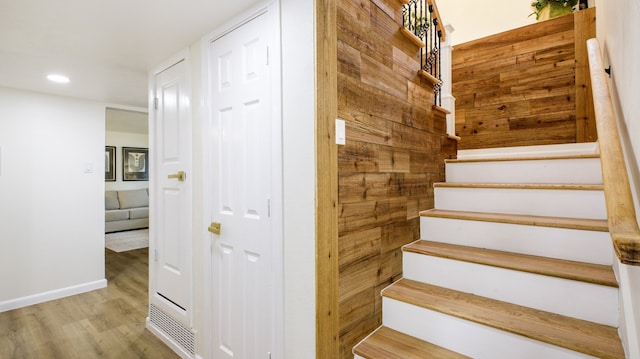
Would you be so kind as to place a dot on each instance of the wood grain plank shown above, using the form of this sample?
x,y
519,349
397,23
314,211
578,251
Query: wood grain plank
x,y
511,85
394,160
361,215
326,231
585,28
359,10
536,158
359,246
366,128
357,156
370,273
543,221
582,336
383,78
510,37
396,235
386,343
357,307
583,272
360,186
542,186
349,60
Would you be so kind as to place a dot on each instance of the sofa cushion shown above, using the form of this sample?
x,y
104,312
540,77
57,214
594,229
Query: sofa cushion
x,y
127,225
116,215
135,213
133,198
111,200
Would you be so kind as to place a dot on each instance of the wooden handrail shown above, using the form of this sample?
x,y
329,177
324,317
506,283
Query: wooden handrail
x,y
623,225
440,25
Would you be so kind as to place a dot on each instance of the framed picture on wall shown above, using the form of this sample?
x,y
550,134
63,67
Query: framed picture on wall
x,y
135,164
110,164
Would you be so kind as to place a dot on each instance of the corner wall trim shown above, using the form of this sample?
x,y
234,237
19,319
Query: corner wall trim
x,y
51,295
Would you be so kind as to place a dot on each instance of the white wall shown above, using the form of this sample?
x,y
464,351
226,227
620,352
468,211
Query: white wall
x,y
617,28
617,24
298,105
122,139
473,19
51,211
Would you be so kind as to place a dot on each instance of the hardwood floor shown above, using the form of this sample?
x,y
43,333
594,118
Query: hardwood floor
x,y
105,323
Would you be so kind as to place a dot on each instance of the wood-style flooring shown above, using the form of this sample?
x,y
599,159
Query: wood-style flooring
x,y
105,323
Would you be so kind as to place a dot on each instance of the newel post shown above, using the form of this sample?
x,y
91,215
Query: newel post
x,y
448,101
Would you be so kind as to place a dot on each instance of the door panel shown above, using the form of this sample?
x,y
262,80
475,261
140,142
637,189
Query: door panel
x,y
171,226
241,119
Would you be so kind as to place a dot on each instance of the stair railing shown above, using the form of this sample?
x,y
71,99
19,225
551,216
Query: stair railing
x,y
623,225
422,19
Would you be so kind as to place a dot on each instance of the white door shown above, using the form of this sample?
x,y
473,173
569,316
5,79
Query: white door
x,y
241,130
171,214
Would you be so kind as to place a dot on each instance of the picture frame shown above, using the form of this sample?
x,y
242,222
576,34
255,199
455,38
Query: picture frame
x,y
135,164
110,164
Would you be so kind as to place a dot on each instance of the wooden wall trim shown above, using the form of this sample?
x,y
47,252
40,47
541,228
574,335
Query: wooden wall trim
x,y
584,28
621,214
327,317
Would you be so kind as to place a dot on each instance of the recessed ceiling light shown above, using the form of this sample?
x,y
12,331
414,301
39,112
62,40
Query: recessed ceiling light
x,y
61,79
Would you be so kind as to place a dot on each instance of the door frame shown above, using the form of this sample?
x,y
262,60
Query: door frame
x,y
272,10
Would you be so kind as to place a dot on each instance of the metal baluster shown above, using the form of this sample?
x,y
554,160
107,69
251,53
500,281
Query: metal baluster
x,y
418,17
439,98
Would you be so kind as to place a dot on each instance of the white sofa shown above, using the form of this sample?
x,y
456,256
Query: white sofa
x,y
126,210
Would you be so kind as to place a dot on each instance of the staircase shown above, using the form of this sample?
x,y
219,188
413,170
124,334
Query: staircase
x,y
514,262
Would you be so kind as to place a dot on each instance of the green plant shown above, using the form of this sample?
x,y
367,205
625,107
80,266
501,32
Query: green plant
x,y
565,6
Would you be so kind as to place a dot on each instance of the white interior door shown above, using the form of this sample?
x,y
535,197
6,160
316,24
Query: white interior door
x,y
241,125
171,213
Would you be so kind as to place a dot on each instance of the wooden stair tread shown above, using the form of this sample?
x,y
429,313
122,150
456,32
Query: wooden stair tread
x,y
429,77
411,36
575,334
552,186
584,272
386,343
523,158
600,225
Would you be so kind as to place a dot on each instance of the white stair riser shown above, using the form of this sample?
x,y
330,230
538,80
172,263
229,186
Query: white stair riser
x,y
566,149
561,243
577,299
465,337
583,170
538,202
356,356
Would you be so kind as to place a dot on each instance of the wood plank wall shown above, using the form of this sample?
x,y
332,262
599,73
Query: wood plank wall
x,y
518,88
395,150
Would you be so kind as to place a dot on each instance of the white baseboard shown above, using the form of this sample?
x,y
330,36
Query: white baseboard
x,y
177,348
629,329
51,295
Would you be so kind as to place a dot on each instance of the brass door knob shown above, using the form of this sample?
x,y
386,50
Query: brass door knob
x,y
214,228
181,176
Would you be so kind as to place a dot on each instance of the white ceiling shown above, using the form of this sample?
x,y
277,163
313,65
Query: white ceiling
x,y
105,47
